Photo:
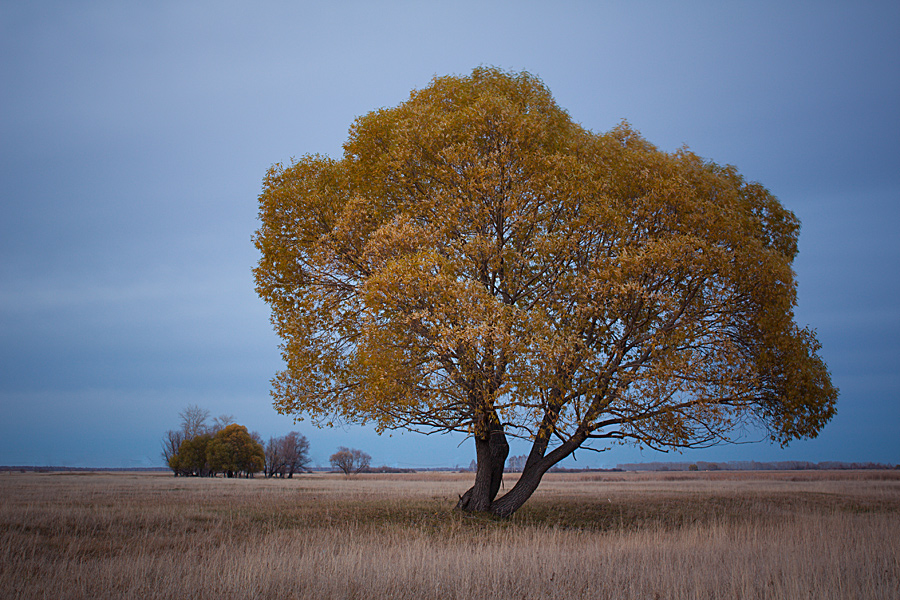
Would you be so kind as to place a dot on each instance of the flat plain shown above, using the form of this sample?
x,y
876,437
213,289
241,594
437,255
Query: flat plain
x,y
779,535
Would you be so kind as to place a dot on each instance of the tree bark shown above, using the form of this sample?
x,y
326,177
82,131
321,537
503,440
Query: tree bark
x,y
538,463
491,454
481,496
522,491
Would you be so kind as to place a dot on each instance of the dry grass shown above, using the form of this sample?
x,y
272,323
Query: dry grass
x,y
659,535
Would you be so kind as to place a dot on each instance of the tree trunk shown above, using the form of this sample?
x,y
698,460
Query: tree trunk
x,y
476,500
491,454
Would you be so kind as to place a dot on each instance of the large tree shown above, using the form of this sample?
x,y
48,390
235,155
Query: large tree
x,y
479,262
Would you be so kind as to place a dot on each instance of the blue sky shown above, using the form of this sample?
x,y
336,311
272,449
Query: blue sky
x,y
135,136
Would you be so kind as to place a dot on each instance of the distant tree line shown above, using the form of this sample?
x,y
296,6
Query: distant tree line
x,y
752,465
200,448
514,464
387,469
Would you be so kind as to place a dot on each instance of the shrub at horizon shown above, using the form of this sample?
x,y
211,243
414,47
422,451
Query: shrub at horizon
x,y
479,262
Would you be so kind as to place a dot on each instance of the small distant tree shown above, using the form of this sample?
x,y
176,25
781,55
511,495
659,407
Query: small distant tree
x,y
234,452
350,460
274,463
287,455
191,459
295,450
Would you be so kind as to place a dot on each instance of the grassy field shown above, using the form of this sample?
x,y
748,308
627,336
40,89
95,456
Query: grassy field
x,y
603,535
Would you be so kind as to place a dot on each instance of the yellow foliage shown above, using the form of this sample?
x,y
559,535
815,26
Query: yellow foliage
x,y
476,256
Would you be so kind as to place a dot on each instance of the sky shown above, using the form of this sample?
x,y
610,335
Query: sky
x,y
135,137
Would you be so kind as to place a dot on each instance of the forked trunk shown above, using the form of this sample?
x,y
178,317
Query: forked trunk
x,y
480,498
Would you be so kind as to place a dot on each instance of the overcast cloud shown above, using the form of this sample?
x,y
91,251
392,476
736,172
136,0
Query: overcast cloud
x,y
135,136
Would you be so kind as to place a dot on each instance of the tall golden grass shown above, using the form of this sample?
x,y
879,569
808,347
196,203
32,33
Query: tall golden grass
x,y
644,536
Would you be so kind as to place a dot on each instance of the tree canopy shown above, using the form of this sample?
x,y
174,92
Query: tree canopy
x,y
233,451
479,262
